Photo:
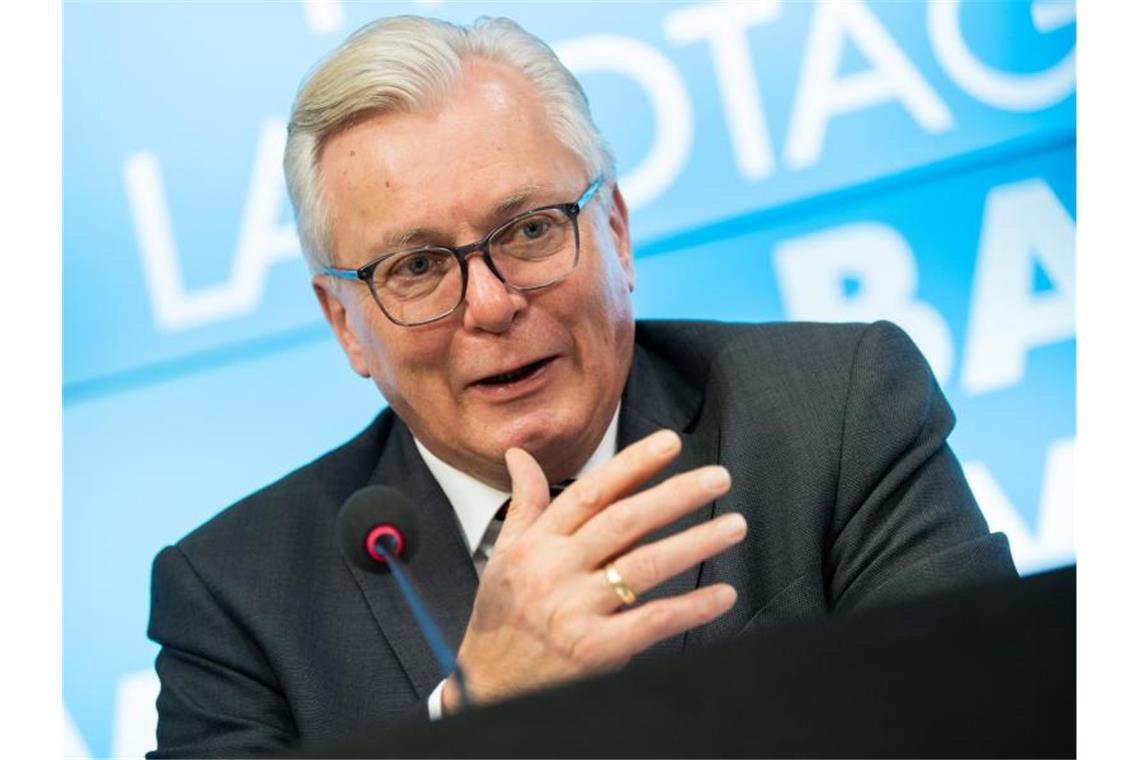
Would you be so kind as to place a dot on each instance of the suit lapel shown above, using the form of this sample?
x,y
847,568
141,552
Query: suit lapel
x,y
440,566
656,397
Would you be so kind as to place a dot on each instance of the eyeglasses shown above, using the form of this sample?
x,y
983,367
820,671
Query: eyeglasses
x,y
533,250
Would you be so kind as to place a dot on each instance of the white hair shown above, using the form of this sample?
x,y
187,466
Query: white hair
x,y
405,63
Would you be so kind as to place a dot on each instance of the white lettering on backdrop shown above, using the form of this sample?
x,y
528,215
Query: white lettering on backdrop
x,y
672,109
822,95
1002,89
1024,225
1052,541
263,241
725,26
813,270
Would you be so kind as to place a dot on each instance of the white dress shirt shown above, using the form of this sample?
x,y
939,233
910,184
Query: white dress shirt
x,y
475,504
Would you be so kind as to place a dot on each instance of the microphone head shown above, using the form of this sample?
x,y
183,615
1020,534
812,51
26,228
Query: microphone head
x,y
376,513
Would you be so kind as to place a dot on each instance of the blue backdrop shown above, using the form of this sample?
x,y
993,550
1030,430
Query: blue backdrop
x,y
841,161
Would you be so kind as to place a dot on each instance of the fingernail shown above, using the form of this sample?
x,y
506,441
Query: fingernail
x,y
664,442
726,596
734,526
715,479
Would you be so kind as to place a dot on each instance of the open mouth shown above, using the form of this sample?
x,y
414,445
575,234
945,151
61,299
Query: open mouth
x,y
517,374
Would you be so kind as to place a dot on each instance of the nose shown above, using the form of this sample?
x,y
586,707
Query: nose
x,y
491,306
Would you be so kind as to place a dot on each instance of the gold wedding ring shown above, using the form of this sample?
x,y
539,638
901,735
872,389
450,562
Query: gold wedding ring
x,y
617,583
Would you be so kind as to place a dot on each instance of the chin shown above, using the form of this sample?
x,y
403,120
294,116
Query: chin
x,y
555,441
535,432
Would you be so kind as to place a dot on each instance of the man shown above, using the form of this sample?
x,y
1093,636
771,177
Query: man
x,y
514,362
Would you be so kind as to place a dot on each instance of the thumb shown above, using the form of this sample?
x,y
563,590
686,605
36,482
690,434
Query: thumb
x,y
530,493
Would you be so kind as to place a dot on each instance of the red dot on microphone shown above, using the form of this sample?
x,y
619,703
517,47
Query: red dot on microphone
x,y
378,533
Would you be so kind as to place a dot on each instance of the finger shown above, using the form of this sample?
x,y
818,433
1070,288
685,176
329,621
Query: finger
x,y
620,636
647,566
631,467
621,525
530,494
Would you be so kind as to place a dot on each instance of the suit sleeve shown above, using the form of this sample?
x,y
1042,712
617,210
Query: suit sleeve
x,y
905,521
219,697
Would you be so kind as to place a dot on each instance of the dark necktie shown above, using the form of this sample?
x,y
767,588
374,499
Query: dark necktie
x,y
483,552
555,489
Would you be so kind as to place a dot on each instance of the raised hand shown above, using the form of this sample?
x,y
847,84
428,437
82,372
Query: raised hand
x,y
545,611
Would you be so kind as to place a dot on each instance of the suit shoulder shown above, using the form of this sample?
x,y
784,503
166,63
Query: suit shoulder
x,y
774,347
302,497
813,367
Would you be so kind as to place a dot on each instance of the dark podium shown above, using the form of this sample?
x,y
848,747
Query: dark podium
x,y
989,672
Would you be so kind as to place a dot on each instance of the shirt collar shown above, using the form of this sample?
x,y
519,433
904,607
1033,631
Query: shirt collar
x,y
475,503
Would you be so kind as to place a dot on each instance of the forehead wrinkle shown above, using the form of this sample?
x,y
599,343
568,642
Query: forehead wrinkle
x,y
516,201
402,239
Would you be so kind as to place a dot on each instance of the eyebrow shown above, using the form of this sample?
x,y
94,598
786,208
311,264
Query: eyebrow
x,y
518,201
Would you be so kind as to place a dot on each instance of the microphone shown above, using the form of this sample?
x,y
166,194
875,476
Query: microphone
x,y
377,530
377,521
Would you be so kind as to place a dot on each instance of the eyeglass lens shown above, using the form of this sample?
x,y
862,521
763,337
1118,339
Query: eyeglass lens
x,y
530,252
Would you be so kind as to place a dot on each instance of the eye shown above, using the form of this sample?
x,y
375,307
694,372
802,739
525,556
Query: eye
x,y
414,269
538,228
534,228
414,266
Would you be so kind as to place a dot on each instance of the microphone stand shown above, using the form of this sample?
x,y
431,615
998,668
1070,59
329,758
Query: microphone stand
x,y
447,662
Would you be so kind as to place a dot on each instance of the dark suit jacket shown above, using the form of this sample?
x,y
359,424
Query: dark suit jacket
x,y
835,438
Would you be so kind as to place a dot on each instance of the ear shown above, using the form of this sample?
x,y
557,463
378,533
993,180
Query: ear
x,y
338,318
619,227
